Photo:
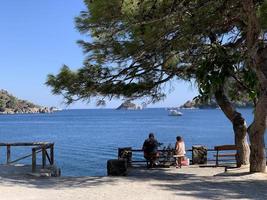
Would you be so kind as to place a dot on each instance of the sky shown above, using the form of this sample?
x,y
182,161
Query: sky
x,y
37,38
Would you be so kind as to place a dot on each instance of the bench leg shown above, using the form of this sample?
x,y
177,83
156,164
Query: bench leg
x,y
217,160
148,162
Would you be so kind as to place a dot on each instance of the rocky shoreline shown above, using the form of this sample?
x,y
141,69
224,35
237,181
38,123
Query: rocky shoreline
x,y
12,105
28,111
212,104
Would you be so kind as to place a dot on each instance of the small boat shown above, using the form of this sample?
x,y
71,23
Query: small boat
x,y
175,113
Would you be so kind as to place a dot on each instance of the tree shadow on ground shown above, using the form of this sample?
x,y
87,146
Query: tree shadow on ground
x,y
56,182
241,185
183,183
227,189
19,175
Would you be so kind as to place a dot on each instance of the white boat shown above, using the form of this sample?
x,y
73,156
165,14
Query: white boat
x,y
175,113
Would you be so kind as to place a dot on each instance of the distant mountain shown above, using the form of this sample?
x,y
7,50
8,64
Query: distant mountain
x,y
12,105
128,105
212,104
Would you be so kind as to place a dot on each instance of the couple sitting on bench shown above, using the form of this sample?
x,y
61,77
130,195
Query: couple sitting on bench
x,y
151,154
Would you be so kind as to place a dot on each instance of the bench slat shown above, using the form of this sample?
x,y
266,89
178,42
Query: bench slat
x,y
221,152
223,160
225,147
224,155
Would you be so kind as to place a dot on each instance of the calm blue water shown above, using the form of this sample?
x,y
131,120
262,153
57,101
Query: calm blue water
x,y
85,139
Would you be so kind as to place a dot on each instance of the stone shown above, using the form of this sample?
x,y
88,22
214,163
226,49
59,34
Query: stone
x,y
117,167
199,154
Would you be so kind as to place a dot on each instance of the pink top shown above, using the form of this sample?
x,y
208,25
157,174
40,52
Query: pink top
x,y
180,148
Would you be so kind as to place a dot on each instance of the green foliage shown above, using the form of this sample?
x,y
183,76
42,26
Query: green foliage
x,y
214,70
139,45
2,104
262,14
11,103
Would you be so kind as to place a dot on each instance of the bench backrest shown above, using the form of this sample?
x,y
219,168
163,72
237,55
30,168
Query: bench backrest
x,y
225,147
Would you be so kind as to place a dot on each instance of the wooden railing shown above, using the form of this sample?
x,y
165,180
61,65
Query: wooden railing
x,y
37,147
164,155
205,159
163,152
210,154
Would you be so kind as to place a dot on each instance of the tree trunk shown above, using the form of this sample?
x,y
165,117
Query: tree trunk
x,y
256,135
257,155
243,150
258,127
239,127
256,60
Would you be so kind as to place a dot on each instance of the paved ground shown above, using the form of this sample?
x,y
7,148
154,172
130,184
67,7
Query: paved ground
x,y
157,184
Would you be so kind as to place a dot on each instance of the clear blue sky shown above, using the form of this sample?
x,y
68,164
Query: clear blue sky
x,y
37,38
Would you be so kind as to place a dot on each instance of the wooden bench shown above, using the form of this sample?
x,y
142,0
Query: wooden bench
x,y
223,149
164,157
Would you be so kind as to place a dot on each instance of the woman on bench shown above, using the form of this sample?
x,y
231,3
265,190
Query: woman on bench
x,y
179,151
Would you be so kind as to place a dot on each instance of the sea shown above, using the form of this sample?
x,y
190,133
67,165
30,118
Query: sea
x,y
86,138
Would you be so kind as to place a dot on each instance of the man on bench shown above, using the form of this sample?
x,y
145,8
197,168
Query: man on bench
x,y
150,148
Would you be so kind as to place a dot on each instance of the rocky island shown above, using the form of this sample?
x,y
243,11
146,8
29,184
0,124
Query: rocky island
x,y
12,105
212,104
128,105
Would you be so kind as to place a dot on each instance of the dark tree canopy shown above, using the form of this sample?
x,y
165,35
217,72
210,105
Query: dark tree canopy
x,y
138,46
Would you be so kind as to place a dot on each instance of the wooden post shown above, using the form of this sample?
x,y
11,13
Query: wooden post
x,y
52,154
33,159
125,153
217,158
43,156
8,154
